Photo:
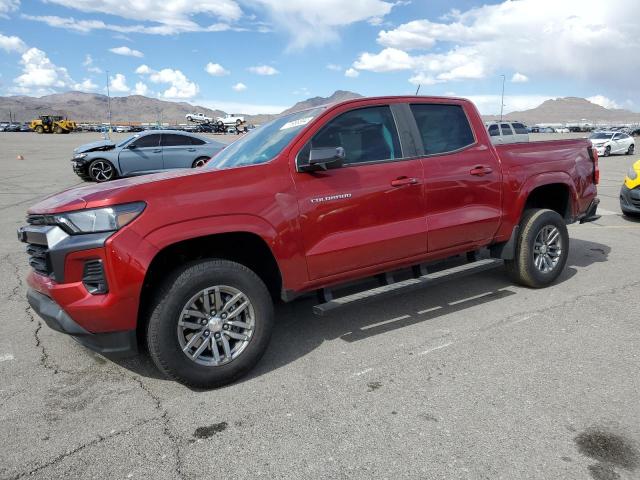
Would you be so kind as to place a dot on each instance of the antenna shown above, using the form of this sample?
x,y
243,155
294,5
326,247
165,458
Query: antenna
x,y
418,89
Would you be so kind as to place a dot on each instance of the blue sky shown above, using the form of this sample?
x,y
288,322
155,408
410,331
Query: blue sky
x,y
259,56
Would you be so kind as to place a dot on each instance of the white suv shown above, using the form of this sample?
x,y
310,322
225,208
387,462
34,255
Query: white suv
x,y
507,132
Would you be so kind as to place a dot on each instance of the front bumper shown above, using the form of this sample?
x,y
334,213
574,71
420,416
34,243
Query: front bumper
x,y
630,200
114,344
81,168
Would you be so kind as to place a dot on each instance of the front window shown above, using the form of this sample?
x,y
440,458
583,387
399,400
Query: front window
x,y
124,142
264,143
601,136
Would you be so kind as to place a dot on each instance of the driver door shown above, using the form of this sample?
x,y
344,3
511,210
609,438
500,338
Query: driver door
x,y
142,155
367,212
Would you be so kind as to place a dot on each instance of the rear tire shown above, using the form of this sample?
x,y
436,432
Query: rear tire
x,y
166,329
631,149
199,162
541,249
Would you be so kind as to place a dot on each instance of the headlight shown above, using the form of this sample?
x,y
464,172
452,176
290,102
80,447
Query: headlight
x,y
108,219
632,173
79,156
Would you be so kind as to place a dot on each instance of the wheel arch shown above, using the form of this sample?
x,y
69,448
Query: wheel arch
x,y
243,246
554,191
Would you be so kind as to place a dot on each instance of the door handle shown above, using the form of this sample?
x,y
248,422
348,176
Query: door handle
x,y
402,181
156,151
480,170
191,149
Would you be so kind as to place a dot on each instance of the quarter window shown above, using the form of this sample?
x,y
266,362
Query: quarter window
x,y
443,128
367,135
506,129
520,129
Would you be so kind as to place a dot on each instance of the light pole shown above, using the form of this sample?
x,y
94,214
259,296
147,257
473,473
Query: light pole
x,y
502,98
109,102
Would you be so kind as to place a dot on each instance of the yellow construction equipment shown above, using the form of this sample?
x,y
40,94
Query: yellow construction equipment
x,y
52,124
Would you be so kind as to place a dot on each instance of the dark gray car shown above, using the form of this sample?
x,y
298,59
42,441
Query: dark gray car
x,y
146,152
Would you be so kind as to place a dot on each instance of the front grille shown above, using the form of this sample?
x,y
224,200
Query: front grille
x,y
93,277
39,258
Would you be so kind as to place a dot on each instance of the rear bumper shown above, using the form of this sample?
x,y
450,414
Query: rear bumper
x,y
111,343
630,200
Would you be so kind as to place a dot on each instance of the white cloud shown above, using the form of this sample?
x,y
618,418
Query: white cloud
x,y
143,70
40,75
12,44
603,101
519,78
160,17
302,91
351,73
118,83
247,108
388,60
180,87
334,67
86,85
239,87
318,22
485,40
88,60
8,6
263,70
97,70
216,70
141,89
127,52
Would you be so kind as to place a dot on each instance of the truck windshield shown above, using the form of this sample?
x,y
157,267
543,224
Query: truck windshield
x,y
264,143
601,136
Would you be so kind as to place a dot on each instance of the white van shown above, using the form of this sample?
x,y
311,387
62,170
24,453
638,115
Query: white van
x,y
507,132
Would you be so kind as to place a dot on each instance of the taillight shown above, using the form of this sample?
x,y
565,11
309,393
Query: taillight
x,y
593,153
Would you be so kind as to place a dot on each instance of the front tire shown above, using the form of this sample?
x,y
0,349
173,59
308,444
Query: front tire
x,y
541,250
102,171
631,149
210,323
607,151
39,129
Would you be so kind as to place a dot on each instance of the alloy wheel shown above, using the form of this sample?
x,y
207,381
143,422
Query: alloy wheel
x,y
547,249
216,325
101,171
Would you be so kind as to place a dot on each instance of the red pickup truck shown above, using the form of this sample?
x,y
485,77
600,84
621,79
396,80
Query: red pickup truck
x,y
191,261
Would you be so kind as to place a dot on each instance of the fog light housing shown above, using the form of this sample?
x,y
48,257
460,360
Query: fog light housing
x,y
93,277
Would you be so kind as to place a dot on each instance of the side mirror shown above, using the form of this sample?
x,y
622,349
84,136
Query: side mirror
x,y
324,159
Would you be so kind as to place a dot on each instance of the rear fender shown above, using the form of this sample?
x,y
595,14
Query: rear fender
x,y
540,180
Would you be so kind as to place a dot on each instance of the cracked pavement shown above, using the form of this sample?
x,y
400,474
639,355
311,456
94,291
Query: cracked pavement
x,y
473,379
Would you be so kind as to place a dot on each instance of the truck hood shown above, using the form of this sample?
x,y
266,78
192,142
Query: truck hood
x,y
94,146
103,194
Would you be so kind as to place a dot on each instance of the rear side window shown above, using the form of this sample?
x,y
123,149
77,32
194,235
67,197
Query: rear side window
x,y
196,141
443,128
520,128
147,141
506,129
366,134
173,140
494,131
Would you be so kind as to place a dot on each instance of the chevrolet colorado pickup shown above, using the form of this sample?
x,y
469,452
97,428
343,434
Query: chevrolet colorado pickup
x,y
190,262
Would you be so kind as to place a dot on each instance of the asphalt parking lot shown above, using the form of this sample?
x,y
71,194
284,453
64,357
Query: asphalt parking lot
x,y
473,379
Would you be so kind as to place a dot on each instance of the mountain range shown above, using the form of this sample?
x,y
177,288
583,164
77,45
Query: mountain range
x,y
93,108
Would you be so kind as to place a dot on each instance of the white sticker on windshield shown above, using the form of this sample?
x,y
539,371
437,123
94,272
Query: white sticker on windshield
x,y
296,123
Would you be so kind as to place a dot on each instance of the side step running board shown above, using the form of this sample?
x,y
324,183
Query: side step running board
x,y
419,281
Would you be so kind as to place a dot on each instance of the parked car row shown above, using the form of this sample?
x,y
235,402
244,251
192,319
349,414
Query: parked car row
x,y
14,127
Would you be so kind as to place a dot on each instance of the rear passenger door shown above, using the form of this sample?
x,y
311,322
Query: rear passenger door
x,y
177,151
368,212
463,189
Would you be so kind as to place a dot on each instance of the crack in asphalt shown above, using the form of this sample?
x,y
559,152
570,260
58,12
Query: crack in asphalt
x,y
84,446
174,439
45,360
16,274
